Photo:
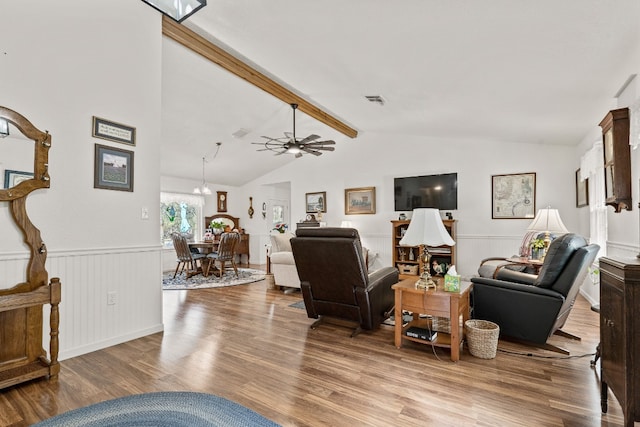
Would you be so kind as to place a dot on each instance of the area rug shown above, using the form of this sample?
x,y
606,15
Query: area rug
x,y
299,304
163,409
245,275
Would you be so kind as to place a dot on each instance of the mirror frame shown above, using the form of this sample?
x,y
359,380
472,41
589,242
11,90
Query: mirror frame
x,y
42,142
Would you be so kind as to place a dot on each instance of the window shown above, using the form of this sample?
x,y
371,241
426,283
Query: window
x,y
592,167
181,213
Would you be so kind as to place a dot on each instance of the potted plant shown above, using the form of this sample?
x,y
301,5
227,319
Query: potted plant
x,y
537,248
281,227
217,226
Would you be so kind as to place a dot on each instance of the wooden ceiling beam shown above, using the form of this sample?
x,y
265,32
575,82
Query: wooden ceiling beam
x,y
191,40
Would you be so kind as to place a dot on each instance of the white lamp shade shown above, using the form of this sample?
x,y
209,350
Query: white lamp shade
x,y
426,228
346,224
548,220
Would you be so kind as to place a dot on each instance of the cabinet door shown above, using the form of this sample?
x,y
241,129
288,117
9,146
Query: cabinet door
x,y
612,337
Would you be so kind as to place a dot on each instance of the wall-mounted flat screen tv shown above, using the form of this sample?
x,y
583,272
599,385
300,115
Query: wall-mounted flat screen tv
x,y
428,191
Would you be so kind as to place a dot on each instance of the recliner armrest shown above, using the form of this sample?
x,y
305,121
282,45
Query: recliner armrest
x,y
516,287
385,275
509,275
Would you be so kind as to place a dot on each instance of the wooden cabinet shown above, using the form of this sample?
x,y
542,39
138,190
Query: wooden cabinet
x,y
617,159
620,334
409,260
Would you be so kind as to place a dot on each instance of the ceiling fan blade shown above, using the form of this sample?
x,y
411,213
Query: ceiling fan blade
x,y
322,148
309,139
321,143
298,155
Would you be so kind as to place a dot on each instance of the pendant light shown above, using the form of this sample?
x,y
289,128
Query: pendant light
x,y
204,189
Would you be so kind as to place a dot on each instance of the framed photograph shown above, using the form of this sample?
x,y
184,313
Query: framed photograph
x,y
316,202
358,201
113,168
112,131
513,196
582,191
13,178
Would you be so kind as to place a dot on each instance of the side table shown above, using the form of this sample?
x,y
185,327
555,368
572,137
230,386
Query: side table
x,y
435,302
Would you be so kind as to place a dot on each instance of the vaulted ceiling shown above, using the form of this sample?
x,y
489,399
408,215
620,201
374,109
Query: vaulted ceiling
x,y
491,70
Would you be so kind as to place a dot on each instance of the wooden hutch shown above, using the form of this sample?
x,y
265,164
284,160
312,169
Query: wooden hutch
x,y
22,357
409,260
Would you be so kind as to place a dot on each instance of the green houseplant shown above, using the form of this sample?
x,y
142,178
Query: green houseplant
x,y
217,226
537,248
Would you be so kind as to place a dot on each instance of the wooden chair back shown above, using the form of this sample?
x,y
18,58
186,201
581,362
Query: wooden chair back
x,y
227,247
181,246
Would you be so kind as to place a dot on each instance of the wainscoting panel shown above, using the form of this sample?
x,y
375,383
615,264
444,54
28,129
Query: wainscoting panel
x,y
87,321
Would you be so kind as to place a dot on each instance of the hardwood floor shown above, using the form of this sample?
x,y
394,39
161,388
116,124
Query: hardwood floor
x,y
246,343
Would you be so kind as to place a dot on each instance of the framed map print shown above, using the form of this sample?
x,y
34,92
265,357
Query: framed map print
x,y
513,196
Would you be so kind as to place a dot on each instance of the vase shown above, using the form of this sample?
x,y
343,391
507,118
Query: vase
x,y
537,253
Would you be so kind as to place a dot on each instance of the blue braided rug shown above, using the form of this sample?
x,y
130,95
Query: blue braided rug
x,y
163,409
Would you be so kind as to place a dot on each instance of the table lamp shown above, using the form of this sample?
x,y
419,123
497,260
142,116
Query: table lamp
x,y
426,229
548,221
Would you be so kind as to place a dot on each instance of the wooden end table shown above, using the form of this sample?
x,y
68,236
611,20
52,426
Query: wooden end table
x,y
435,302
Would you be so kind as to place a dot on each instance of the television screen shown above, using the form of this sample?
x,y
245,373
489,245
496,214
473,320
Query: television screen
x,y
429,191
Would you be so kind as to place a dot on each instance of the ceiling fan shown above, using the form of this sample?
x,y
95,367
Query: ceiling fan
x,y
292,145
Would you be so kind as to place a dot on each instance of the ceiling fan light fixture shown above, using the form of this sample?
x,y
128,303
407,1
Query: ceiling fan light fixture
x,y
178,10
293,149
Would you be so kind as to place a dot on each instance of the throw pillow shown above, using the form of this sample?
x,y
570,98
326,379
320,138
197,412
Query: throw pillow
x,y
281,242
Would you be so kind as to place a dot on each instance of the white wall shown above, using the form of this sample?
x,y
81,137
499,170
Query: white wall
x,y
374,160
62,63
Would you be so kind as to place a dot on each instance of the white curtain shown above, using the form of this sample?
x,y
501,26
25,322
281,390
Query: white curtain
x,y
592,167
189,199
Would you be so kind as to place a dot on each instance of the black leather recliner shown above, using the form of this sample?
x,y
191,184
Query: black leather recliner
x,y
531,308
334,279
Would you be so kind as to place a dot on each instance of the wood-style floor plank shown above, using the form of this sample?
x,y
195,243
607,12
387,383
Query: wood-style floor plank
x,y
246,343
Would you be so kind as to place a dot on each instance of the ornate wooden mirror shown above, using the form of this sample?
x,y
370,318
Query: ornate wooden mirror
x,y
22,356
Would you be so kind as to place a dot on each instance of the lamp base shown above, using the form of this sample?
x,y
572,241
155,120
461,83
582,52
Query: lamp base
x,y
426,282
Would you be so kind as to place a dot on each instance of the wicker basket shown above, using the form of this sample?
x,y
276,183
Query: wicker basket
x,y
482,338
441,324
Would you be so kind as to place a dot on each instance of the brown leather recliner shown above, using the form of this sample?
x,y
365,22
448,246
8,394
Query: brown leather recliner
x,y
334,279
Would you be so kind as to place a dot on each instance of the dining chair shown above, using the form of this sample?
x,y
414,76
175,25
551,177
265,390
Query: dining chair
x,y
226,253
186,258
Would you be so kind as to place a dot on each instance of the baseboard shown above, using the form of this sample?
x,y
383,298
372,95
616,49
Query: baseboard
x,y
79,351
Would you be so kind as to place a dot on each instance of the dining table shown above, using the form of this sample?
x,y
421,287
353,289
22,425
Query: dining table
x,y
205,248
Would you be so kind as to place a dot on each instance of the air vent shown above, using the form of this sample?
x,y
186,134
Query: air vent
x,y
240,133
376,99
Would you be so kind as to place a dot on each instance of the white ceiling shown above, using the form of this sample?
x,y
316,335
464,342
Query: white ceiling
x,y
540,71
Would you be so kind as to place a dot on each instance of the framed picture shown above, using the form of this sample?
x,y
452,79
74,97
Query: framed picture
x,y
513,196
582,191
316,202
113,168
113,131
360,200
13,178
